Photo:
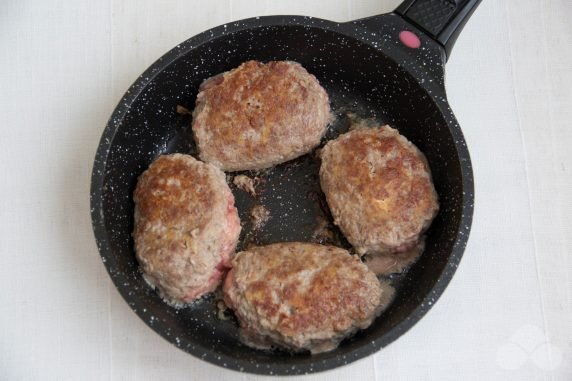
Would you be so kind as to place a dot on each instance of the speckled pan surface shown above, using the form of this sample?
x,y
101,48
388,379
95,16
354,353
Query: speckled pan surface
x,y
367,72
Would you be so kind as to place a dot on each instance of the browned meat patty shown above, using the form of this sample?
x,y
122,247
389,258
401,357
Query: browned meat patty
x,y
259,115
186,227
301,296
379,189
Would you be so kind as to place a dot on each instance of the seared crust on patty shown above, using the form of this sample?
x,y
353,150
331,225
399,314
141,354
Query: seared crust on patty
x,y
259,115
379,189
186,226
301,296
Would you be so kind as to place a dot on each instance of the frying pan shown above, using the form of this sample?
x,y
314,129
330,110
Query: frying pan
x,y
387,68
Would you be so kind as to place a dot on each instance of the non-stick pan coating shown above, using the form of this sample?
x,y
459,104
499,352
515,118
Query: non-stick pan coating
x,y
361,77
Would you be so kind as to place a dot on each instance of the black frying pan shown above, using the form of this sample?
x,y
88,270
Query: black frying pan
x,y
389,68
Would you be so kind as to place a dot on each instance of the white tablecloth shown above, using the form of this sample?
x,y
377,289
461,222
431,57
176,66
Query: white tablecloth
x,y
507,314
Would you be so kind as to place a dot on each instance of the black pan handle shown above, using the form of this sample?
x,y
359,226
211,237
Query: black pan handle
x,y
443,20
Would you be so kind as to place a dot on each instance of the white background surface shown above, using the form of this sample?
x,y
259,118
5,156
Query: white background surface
x,y
65,65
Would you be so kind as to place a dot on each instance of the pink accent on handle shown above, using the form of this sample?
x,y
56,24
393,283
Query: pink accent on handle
x,y
409,39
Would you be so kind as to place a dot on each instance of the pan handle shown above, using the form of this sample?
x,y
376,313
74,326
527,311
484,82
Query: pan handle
x,y
443,20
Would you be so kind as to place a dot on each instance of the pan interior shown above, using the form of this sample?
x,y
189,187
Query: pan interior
x,y
362,82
